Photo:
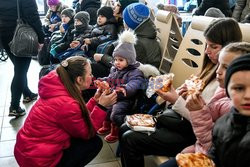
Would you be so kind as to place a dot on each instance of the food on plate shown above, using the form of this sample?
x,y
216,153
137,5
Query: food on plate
x,y
145,120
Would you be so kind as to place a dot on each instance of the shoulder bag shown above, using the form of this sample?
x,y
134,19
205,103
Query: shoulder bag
x,y
25,40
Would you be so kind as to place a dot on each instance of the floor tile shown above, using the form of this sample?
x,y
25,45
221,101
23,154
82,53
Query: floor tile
x,y
7,148
9,133
8,162
107,164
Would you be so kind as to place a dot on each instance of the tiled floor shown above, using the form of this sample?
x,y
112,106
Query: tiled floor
x,y
9,126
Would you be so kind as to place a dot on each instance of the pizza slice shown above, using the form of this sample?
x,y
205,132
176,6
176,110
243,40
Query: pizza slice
x,y
194,84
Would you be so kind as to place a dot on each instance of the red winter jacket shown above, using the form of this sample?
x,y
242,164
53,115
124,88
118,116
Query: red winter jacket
x,y
53,120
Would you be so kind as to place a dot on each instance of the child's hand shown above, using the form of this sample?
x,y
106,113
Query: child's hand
x,y
170,96
98,57
52,27
74,44
121,89
87,41
107,100
195,102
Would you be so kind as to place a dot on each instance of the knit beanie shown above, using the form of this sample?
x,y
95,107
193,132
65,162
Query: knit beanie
x,y
53,2
135,14
241,63
68,12
125,48
214,12
125,3
83,17
106,11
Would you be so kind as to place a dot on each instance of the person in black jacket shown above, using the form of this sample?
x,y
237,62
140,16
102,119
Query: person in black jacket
x,y
223,5
90,6
8,17
231,133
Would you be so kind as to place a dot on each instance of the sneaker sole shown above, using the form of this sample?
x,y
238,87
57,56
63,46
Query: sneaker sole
x,y
28,101
16,115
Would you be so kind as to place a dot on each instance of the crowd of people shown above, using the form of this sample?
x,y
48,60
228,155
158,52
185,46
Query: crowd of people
x,y
112,44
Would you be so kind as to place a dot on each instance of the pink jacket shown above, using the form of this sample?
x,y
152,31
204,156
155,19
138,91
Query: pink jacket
x,y
53,120
203,121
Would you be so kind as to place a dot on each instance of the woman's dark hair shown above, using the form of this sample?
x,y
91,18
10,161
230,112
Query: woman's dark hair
x,y
223,31
68,72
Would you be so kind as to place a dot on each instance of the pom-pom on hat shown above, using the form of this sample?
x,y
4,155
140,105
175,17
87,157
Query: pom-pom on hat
x,y
83,17
239,64
125,48
53,2
135,14
68,12
106,11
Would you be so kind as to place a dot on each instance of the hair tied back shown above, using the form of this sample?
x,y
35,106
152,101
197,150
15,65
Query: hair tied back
x,y
64,63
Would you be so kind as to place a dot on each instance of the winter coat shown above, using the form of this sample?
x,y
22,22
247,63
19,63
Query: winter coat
x,y
54,119
58,13
130,78
223,5
231,140
64,43
207,94
90,6
147,48
102,34
203,121
81,33
242,8
29,13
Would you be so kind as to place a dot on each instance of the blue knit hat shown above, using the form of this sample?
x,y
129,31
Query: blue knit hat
x,y
134,14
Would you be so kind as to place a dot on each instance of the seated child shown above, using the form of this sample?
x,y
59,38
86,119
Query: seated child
x,y
53,17
204,116
81,29
125,78
62,44
231,133
105,30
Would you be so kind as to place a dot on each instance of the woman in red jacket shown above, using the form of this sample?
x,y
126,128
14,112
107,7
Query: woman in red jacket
x,y
60,129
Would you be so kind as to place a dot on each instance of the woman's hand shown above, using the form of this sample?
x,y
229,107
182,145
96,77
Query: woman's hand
x,y
107,100
97,95
98,57
182,91
170,96
195,102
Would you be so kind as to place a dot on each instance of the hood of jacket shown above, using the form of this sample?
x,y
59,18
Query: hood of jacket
x,y
90,4
147,29
51,86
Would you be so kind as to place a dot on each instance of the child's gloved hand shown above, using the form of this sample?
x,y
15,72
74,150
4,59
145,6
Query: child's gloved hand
x,y
53,51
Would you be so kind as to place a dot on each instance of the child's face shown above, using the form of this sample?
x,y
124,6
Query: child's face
x,y
225,58
65,19
212,51
101,20
77,22
239,91
53,8
120,63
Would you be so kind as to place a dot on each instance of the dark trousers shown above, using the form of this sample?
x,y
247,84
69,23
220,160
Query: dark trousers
x,y
134,145
81,152
19,84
